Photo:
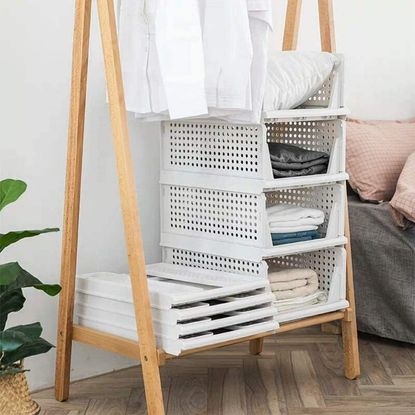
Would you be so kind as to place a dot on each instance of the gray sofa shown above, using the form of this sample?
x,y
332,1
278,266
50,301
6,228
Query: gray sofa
x,y
384,271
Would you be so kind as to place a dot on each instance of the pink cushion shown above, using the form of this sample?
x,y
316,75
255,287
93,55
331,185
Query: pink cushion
x,y
403,201
376,154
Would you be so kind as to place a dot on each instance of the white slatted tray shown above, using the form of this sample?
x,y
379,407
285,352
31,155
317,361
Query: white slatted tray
x,y
171,285
183,328
175,347
235,224
183,312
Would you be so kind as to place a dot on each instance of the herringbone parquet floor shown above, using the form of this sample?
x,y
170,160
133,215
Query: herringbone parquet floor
x,y
299,373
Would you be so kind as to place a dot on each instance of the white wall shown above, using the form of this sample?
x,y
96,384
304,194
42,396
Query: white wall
x,y
35,45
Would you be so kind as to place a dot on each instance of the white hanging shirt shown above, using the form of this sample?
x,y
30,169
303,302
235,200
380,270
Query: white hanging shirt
x,y
228,53
260,24
170,72
162,58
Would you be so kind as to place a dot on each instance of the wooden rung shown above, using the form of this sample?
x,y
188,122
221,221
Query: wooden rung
x,y
108,342
311,321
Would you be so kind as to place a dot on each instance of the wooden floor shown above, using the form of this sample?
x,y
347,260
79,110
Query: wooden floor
x,y
298,373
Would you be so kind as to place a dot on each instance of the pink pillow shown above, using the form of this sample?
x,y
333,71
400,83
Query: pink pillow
x,y
403,201
376,154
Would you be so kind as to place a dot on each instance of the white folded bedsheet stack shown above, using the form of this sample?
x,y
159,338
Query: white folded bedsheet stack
x,y
191,307
295,288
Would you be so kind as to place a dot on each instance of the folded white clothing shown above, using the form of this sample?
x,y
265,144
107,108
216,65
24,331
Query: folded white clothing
x,y
293,283
288,285
286,212
292,228
296,292
291,274
301,302
302,221
319,295
295,76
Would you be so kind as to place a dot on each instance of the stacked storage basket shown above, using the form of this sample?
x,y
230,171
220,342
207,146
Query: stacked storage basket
x,y
217,181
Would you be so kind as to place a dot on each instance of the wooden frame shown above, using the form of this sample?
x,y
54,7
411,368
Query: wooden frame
x,y
145,350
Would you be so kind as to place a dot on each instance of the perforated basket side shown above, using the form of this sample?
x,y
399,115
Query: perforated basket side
x,y
214,262
213,214
330,95
213,147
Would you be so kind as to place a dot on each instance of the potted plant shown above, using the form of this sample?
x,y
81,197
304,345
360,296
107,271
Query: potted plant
x,y
17,343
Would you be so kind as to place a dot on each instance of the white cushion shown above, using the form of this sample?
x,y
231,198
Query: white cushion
x,y
295,76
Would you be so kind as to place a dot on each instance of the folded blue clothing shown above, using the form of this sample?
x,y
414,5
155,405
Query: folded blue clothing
x,y
291,240
285,235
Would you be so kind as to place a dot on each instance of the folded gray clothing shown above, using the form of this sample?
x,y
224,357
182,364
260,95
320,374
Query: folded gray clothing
x,y
321,168
287,153
299,166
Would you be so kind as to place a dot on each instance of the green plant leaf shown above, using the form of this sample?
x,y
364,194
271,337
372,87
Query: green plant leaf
x,y
13,276
10,191
32,330
11,370
15,236
10,342
14,337
12,279
10,302
8,273
35,347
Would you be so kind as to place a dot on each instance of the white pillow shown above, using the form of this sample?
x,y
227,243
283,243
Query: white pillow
x,y
295,76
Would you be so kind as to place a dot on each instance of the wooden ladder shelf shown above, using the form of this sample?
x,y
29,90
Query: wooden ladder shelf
x,y
145,350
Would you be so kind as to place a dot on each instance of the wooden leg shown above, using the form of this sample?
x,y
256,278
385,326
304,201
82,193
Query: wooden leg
x,y
331,328
72,196
132,229
349,326
292,24
256,346
325,10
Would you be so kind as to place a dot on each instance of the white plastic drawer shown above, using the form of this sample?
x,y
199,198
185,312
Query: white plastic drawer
x,y
330,266
214,153
235,224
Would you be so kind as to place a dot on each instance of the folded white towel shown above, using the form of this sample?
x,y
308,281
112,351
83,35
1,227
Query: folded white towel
x,y
291,274
291,213
288,285
293,283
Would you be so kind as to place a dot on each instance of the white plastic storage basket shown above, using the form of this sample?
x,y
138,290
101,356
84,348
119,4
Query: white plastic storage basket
x,y
235,224
197,152
329,264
